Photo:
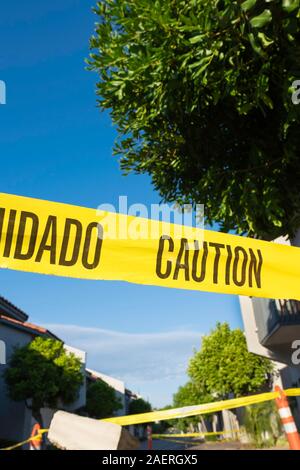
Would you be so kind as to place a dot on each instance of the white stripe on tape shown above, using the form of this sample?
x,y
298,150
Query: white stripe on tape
x,y
284,412
290,427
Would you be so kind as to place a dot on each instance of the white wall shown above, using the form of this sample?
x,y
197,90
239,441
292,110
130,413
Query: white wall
x,y
250,328
81,400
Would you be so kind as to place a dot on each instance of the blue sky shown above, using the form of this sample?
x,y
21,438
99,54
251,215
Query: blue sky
x,y
56,145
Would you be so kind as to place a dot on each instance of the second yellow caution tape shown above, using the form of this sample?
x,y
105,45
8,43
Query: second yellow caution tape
x,y
155,436
188,411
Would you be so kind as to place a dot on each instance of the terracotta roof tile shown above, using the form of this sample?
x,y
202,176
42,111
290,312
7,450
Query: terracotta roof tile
x,y
28,326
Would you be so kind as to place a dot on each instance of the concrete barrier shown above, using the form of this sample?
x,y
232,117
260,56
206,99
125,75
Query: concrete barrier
x,y
72,432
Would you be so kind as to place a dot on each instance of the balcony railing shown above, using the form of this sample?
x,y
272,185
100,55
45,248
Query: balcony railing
x,y
277,321
286,312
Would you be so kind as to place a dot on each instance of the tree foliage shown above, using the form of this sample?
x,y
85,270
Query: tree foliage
x,y
139,406
160,427
200,91
260,419
44,372
101,400
191,394
223,366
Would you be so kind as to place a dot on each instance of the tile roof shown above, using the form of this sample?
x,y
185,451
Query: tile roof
x,y
35,329
11,308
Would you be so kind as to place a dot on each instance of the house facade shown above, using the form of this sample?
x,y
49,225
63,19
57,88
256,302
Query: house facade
x,y
16,419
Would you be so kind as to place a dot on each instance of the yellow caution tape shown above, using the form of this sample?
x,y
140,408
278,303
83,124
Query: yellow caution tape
x,y
20,444
51,238
170,437
191,442
205,408
196,434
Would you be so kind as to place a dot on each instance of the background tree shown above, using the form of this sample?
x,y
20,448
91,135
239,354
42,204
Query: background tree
x,y
161,427
139,406
187,395
260,420
223,366
101,400
200,91
44,372
190,394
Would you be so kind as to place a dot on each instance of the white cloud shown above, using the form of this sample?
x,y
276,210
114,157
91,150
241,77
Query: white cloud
x,y
148,361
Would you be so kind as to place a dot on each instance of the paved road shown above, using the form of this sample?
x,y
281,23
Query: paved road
x,y
191,445
160,444
222,445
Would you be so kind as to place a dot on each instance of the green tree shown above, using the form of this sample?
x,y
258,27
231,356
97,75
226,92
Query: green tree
x,y
200,91
188,395
45,373
139,406
161,427
223,366
101,400
260,419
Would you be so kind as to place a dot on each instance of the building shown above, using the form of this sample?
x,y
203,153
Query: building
x,y
271,328
16,420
